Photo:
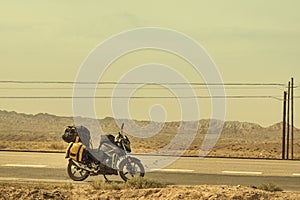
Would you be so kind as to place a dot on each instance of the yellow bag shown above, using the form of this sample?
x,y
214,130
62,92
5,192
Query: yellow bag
x,y
76,151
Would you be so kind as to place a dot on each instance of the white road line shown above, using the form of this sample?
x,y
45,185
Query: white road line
x,y
173,170
19,165
295,174
241,172
12,179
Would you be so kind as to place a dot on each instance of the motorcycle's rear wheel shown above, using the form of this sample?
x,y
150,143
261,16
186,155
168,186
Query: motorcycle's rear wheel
x,y
76,173
130,168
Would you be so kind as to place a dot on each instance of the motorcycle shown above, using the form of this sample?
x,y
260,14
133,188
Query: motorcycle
x,y
110,158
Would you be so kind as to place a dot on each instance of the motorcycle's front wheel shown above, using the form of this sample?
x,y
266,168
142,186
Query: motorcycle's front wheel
x,y
76,173
131,167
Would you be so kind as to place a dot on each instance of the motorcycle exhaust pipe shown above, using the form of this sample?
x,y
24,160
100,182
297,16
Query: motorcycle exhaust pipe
x,y
81,166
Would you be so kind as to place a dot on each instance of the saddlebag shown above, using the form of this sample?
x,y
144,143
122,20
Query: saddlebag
x,y
76,151
70,134
77,134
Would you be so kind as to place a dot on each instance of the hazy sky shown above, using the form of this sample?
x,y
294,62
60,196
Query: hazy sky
x,y
250,41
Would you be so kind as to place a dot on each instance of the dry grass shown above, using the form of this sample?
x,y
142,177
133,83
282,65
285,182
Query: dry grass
x,y
33,146
102,185
134,183
143,183
270,187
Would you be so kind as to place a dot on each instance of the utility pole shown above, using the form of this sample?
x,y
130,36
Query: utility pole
x,y
283,125
292,116
288,121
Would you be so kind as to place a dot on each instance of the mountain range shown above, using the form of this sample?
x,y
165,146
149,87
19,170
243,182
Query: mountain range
x,y
18,126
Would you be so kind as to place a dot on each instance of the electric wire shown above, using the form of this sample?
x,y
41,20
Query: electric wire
x,y
110,85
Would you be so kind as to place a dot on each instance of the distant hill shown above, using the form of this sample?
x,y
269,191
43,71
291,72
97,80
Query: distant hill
x,y
18,126
42,132
45,127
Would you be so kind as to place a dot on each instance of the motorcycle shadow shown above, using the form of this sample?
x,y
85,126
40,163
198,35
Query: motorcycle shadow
x,y
108,181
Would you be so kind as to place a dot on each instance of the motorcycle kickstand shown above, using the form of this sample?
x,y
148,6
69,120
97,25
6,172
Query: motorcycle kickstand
x,y
106,179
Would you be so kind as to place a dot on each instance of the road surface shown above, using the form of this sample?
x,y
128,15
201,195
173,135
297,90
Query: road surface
x,y
51,167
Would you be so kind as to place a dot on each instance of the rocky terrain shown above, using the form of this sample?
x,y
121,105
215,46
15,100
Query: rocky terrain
x,y
238,139
75,191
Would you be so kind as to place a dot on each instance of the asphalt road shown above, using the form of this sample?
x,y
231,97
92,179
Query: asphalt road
x,y
51,167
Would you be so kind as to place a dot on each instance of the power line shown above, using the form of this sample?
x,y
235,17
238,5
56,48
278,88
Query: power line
x,y
129,88
145,97
109,85
138,83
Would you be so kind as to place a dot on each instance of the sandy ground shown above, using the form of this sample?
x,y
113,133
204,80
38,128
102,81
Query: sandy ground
x,y
270,150
70,191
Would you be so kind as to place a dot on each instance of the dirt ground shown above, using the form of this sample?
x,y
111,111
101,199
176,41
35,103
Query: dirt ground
x,y
205,192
